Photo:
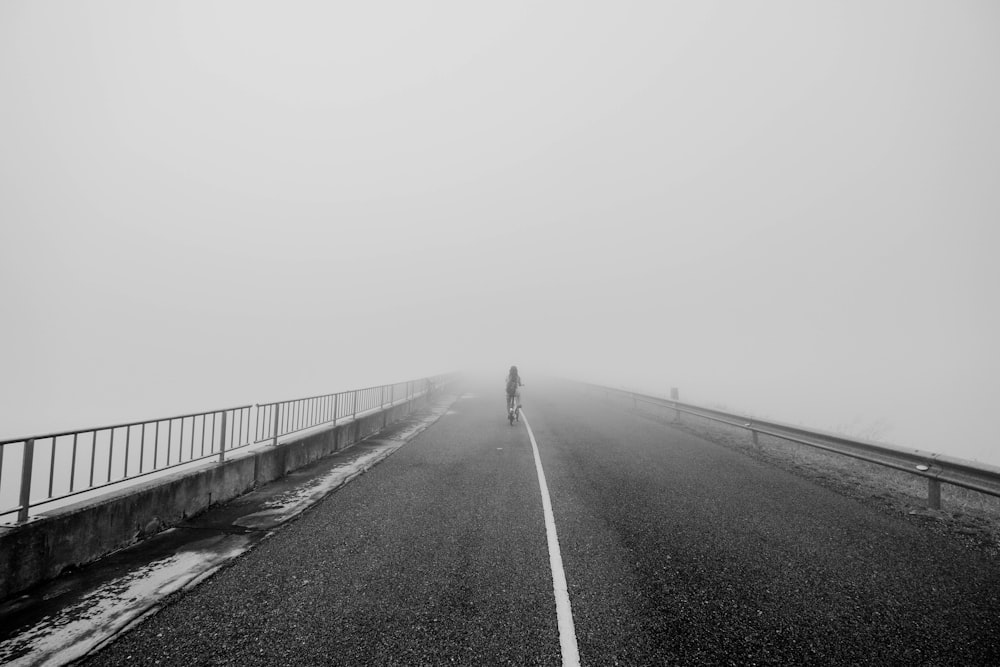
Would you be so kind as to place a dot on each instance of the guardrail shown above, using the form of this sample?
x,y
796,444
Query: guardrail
x,y
51,467
935,468
274,420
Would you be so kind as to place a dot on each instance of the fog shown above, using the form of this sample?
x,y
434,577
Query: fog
x,y
787,209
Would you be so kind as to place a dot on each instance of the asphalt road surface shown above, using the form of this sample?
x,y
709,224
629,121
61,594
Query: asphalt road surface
x,y
676,551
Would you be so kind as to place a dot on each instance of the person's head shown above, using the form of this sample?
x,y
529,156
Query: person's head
x,y
513,371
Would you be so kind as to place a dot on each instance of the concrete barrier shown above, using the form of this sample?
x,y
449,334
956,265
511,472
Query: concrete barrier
x,y
77,534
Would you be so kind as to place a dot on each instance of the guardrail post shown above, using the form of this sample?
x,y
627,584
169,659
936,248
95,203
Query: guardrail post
x,y
756,443
933,493
26,462
222,443
274,427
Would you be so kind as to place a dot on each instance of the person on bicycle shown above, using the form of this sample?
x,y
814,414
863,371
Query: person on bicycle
x,y
514,385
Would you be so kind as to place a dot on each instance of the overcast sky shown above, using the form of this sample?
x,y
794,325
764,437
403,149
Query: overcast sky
x,y
784,208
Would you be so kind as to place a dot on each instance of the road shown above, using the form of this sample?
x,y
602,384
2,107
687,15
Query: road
x,y
675,551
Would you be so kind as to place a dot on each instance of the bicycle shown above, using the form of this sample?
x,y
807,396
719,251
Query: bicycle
x,y
513,409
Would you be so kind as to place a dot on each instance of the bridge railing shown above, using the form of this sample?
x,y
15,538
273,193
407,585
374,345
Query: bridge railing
x,y
935,468
274,420
43,469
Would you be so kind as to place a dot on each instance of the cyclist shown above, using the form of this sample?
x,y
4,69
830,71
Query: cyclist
x,y
514,385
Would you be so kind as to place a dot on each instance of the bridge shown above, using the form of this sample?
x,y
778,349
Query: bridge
x,y
419,527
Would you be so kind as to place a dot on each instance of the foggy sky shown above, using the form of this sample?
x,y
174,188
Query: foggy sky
x,y
784,208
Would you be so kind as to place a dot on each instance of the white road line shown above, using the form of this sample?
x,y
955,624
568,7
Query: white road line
x,y
564,614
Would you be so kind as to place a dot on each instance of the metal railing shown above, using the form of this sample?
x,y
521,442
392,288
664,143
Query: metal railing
x,y
935,468
55,466
280,418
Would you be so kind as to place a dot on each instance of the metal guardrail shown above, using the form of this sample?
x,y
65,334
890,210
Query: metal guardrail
x,y
935,468
274,420
55,466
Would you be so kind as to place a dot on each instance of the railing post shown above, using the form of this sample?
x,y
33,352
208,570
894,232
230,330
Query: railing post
x,y
336,403
354,405
26,463
274,429
933,493
385,412
222,443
